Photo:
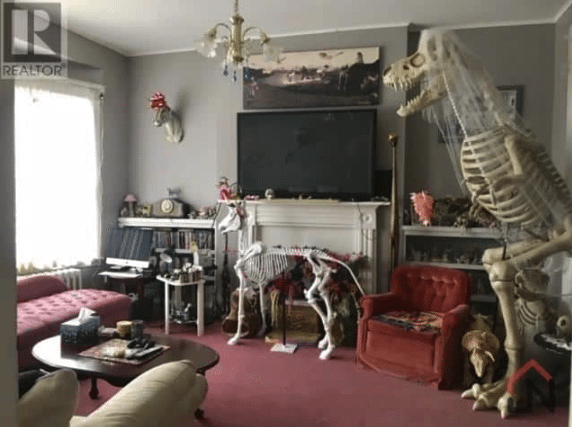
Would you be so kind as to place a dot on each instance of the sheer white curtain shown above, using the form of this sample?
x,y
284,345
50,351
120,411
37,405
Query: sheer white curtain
x,y
58,158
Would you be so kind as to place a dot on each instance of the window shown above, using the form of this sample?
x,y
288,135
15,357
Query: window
x,y
57,156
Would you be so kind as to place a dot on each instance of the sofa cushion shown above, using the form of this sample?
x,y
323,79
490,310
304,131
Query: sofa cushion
x,y
153,398
50,402
37,286
57,308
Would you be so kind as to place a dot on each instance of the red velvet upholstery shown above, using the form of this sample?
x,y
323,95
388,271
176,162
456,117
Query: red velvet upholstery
x,y
426,356
44,302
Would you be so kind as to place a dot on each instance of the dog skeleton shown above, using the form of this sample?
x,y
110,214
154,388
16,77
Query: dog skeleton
x,y
502,165
259,264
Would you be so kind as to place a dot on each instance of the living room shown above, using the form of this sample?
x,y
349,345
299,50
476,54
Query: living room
x,y
138,160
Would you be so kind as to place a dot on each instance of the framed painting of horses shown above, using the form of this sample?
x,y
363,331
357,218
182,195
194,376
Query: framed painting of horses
x,y
325,78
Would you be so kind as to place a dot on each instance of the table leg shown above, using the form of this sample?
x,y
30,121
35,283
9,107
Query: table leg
x,y
201,308
167,307
93,392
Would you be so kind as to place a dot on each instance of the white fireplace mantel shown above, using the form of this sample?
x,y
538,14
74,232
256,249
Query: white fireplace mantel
x,y
342,227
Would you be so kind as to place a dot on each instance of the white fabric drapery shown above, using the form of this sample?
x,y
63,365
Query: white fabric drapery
x,y
58,185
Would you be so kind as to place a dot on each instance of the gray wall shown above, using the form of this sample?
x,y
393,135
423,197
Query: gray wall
x,y
514,55
207,103
562,117
8,358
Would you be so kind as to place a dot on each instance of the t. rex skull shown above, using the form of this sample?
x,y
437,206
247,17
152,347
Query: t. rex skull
x,y
412,71
436,58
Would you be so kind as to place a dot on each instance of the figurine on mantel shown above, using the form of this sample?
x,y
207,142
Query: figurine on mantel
x,y
128,208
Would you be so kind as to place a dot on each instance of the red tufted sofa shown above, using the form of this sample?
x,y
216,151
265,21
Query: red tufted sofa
x,y
44,302
432,355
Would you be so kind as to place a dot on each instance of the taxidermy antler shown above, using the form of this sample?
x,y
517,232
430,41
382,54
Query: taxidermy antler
x,y
258,264
166,116
502,165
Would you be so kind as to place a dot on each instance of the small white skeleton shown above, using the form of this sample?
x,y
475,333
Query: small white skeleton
x,y
502,165
259,264
533,307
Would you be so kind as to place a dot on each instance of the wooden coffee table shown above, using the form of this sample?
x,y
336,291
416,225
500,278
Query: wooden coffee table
x,y
53,354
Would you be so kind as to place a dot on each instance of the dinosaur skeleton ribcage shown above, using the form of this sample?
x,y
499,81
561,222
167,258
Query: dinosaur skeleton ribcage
x,y
528,202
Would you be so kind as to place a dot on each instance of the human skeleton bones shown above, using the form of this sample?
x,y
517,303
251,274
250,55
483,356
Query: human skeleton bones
x,y
501,164
258,264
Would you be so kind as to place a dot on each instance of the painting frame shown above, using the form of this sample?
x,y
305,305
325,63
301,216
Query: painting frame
x,y
313,79
514,96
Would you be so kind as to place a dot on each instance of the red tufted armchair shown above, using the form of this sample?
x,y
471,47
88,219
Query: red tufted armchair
x,y
415,330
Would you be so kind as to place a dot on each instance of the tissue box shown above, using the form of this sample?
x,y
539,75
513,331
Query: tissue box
x,y
80,331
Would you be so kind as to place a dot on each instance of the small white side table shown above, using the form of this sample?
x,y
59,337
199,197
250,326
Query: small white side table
x,y
200,302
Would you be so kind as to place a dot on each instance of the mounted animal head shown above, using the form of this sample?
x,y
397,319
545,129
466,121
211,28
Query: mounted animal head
x,y
235,218
166,116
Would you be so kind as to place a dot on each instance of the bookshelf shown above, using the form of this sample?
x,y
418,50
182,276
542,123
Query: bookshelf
x,y
179,233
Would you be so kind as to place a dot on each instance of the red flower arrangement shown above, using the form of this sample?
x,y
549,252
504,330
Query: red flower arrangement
x,y
423,205
158,101
225,190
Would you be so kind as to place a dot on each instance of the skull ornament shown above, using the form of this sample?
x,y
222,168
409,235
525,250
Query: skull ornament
x,y
563,327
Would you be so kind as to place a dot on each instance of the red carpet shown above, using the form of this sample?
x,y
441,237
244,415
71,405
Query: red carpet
x,y
253,387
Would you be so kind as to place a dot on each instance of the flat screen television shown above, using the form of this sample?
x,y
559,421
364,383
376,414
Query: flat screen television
x,y
317,154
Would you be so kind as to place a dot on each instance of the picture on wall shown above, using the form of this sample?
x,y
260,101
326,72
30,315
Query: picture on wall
x,y
511,95
325,78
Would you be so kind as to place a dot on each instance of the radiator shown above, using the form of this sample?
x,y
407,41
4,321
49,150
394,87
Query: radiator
x,y
70,276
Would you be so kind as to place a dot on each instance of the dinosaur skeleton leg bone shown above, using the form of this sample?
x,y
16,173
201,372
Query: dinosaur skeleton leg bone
x,y
502,277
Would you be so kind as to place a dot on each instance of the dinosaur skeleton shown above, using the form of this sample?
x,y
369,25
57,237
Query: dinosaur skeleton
x,y
259,264
501,164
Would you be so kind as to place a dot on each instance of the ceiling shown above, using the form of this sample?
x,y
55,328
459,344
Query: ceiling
x,y
141,27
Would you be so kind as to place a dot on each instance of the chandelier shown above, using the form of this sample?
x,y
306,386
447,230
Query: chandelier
x,y
236,44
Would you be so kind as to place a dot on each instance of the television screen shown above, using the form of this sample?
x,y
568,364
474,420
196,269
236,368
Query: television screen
x,y
318,154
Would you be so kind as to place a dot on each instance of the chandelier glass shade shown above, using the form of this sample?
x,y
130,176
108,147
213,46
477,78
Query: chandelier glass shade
x,y
237,44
